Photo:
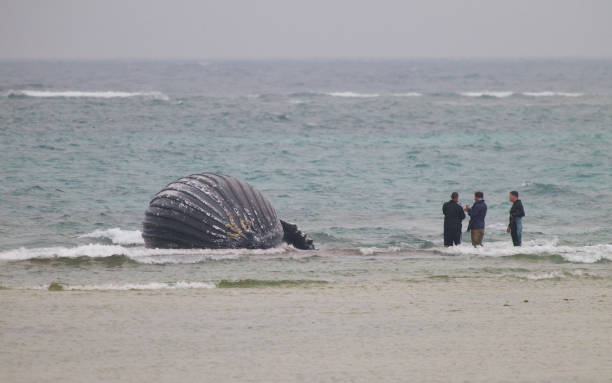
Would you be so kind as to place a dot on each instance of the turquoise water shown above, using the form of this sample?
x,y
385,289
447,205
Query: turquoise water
x,y
360,154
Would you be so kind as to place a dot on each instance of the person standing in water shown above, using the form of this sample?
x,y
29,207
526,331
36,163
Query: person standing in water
x,y
453,215
477,213
517,212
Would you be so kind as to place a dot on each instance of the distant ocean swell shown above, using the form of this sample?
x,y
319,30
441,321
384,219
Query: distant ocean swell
x,y
157,95
470,94
504,94
473,94
85,94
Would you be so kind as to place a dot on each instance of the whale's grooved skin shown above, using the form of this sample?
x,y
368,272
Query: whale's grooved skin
x,y
210,210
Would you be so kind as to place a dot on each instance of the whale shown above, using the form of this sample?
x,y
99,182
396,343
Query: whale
x,y
216,211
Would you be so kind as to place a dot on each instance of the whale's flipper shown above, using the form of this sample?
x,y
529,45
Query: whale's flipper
x,y
295,237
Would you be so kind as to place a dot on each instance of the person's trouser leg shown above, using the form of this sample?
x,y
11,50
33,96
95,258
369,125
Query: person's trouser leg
x,y
448,237
477,236
516,230
513,233
457,239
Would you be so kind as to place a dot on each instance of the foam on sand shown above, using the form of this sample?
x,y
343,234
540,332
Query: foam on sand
x,y
558,275
131,286
378,250
85,94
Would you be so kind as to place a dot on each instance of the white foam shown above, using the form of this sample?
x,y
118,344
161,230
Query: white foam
x,y
91,250
496,94
353,94
407,94
577,254
117,236
137,286
84,94
557,275
552,94
138,254
378,250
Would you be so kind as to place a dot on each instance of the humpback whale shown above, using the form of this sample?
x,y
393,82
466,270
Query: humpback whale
x,y
215,211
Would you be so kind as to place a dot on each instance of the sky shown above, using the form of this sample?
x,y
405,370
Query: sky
x,y
306,29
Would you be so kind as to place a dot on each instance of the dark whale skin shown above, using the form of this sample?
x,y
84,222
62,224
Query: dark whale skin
x,y
211,211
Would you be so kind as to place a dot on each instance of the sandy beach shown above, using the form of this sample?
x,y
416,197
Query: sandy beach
x,y
439,330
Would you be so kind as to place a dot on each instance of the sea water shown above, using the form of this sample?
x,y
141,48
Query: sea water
x,y
360,154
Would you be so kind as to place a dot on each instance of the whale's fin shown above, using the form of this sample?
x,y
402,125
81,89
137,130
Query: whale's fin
x,y
295,237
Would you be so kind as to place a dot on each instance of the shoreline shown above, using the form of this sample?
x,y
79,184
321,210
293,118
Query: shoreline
x,y
434,330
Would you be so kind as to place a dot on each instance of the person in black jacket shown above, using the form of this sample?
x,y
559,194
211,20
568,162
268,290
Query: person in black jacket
x,y
517,212
453,215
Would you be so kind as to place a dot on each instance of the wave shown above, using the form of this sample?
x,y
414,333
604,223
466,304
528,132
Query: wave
x,y
129,286
508,93
407,94
378,250
118,236
84,94
250,283
536,250
552,94
137,254
488,94
353,94
372,95
559,275
240,283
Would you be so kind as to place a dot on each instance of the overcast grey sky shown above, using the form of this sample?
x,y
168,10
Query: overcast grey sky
x,y
107,29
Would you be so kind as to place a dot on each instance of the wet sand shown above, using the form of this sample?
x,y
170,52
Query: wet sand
x,y
438,330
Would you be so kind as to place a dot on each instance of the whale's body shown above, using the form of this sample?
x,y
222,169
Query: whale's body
x,y
215,211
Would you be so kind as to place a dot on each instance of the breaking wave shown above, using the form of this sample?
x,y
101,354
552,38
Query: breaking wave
x,y
118,236
353,94
536,250
488,94
552,94
137,254
407,94
85,94
508,93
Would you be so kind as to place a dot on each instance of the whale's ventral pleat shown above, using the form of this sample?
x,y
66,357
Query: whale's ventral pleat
x,y
214,211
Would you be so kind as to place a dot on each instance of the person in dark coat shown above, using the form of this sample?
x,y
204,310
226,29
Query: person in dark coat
x,y
477,213
517,212
453,215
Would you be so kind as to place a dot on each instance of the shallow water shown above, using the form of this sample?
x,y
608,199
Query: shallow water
x,y
361,154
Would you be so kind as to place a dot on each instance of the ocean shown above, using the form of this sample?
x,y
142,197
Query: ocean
x,y
360,154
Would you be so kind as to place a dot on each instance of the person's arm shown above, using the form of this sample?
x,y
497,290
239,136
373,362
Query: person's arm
x,y
461,213
521,212
444,209
512,216
510,221
475,210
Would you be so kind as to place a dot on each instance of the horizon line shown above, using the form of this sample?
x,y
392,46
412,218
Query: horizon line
x,y
304,59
